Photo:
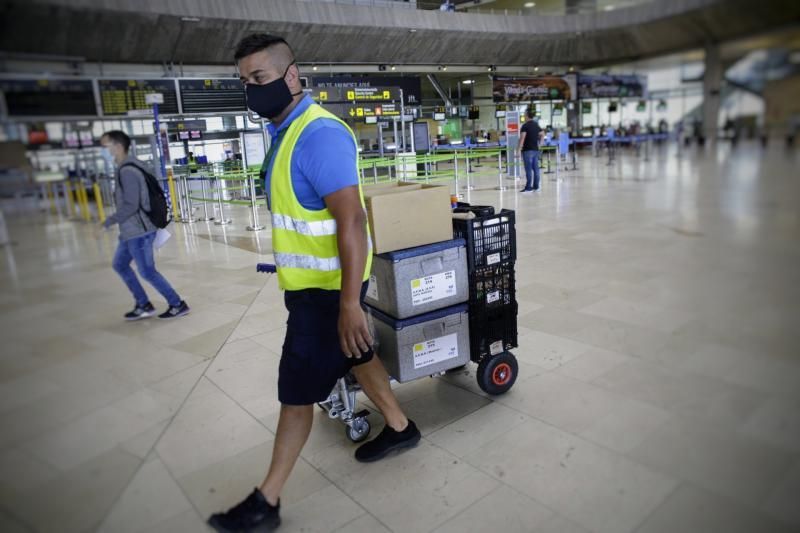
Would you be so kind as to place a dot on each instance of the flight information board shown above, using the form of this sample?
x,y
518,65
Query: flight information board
x,y
126,97
47,97
208,96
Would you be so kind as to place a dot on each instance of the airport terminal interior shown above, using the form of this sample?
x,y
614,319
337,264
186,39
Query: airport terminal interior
x,y
645,373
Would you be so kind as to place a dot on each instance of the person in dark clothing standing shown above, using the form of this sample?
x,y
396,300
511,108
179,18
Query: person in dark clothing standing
x,y
530,137
136,231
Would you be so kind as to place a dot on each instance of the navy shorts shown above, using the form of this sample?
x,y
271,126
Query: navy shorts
x,y
312,359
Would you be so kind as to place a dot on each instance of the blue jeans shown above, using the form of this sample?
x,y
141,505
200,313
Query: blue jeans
x,y
530,158
140,249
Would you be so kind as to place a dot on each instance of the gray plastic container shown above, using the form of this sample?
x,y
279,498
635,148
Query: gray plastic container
x,y
423,345
419,280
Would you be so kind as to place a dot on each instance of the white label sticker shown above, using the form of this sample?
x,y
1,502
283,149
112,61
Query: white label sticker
x,y
372,288
432,288
435,351
496,347
492,297
492,259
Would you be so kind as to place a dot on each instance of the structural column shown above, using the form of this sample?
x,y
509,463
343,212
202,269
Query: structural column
x,y
712,86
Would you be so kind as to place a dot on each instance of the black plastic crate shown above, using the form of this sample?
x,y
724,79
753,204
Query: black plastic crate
x,y
492,331
490,239
479,210
492,286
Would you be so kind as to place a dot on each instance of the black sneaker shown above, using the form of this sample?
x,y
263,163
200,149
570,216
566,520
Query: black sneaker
x,y
141,311
175,311
254,514
527,191
388,441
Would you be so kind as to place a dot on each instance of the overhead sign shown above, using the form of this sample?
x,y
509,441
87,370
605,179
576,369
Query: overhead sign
x,y
611,86
212,95
355,94
48,97
506,89
362,111
186,125
128,97
411,85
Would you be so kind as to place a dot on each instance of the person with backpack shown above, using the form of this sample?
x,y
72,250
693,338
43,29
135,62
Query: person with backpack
x,y
141,211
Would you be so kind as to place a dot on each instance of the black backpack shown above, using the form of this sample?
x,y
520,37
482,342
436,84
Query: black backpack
x,y
159,208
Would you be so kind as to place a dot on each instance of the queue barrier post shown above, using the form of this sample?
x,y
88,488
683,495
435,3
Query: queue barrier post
x,y
68,198
221,220
173,197
98,199
468,186
187,202
500,186
203,190
256,226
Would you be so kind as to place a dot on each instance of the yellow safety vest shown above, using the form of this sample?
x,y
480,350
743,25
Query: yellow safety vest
x,y
304,241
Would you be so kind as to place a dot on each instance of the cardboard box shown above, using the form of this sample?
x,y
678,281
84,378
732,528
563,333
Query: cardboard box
x,y
403,215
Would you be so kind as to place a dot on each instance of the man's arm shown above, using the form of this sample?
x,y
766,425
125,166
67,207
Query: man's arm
x,y
131,196
521,141
351,236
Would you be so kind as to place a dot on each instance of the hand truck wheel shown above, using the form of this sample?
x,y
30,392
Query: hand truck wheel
x,y
359,430
497,373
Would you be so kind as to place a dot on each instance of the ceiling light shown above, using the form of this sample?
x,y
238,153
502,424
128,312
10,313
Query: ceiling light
x,y
394,67
443,68
412,30
190,19
608,8
530,4
571,69
467,82
536,69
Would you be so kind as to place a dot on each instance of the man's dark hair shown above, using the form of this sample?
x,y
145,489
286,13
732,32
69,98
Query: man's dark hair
x,y
255,43
530,113
119,137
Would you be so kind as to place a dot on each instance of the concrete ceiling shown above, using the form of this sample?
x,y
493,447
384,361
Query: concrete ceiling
x,y
206,31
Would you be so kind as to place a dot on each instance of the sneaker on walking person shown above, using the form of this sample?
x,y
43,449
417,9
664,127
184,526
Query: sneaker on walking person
x,y
175,311
141,311
527,191
254,513
387,442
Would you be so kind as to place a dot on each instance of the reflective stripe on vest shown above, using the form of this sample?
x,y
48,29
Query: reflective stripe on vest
x,y
329,264
317,228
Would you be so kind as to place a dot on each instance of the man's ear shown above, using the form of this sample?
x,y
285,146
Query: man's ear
x,y
293,74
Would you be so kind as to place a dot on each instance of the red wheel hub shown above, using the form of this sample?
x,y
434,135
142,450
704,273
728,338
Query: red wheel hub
x,y
501,374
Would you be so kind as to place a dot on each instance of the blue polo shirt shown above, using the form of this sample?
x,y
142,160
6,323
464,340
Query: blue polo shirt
x,y
324,160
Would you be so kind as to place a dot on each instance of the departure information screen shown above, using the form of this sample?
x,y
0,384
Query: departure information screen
x,y
127,97
208,96
46,97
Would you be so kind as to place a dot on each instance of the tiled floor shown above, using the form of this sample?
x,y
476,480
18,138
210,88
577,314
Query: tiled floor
x,y
659,388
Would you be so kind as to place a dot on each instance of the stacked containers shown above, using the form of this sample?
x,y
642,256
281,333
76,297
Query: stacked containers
x,y
491,253
417,299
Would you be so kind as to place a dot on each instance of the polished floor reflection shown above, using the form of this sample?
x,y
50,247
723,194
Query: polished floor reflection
x,y
659,388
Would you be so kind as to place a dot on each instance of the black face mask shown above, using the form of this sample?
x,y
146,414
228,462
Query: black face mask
x,y
271,99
